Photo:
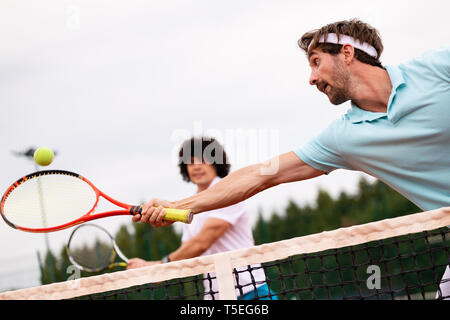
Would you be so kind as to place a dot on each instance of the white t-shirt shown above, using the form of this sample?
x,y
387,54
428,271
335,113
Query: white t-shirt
x,y
238,236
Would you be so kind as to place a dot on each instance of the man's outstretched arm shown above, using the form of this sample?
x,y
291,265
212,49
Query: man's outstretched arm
x,y
236,187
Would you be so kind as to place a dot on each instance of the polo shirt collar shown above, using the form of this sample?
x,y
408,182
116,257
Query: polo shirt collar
x,y
397,80
356,114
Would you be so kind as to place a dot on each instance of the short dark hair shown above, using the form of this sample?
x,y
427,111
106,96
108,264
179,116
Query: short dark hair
x,y
207,150
354,28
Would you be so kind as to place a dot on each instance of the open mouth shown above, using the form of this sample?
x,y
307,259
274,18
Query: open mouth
x,y
322,87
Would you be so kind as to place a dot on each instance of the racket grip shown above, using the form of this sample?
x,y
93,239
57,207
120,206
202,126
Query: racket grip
x,y
181,215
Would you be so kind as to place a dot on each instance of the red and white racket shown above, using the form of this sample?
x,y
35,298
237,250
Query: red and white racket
x,y
52,200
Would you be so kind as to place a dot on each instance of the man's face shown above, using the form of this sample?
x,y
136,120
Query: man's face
x,y
330,75
201,173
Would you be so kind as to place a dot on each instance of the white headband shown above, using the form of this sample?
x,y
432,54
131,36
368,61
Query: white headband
x,y
343,39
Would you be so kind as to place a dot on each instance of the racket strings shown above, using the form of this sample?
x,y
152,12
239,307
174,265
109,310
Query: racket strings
x,y
48,201
91,248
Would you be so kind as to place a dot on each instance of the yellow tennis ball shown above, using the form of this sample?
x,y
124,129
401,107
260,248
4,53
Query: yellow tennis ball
x,y
43,156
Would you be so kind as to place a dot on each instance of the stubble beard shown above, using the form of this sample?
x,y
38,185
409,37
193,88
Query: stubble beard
x,y
339,92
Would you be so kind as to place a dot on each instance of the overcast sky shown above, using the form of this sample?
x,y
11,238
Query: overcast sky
x,y
114,87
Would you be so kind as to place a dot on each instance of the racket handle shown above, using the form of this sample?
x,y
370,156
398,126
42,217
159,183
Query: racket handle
x,y
118,264
181,215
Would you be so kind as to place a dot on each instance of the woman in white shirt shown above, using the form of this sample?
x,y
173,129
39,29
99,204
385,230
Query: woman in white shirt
x,y
214,231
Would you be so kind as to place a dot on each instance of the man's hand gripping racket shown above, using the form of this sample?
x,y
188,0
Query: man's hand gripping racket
x,y
52,200
153,212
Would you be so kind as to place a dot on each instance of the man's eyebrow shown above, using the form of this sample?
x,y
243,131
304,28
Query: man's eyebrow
x,y
310,54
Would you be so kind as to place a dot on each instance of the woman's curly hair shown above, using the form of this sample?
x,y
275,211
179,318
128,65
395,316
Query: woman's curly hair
x,y
206,149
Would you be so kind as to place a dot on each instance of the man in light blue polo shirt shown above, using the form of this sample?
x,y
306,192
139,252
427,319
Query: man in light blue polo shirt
x,y
401,138
407,145
397,130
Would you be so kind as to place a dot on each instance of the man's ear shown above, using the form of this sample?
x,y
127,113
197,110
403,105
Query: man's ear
x,y
349,53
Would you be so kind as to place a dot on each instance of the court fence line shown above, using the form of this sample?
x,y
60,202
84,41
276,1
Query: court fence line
x,y
223,263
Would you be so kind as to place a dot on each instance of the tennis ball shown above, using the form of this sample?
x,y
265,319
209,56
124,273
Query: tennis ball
x,y
43,156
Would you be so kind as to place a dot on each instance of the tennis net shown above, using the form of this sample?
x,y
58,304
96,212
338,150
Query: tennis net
x,y
403,258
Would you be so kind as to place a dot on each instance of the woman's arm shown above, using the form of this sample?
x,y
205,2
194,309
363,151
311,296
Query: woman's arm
x,y
212,230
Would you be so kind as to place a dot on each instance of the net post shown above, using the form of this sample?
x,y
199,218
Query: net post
x,y
224,274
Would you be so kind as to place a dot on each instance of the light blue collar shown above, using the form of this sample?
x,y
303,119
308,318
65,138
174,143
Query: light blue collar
x,y
356,114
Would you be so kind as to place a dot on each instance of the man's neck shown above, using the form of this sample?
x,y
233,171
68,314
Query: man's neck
x,y
372,88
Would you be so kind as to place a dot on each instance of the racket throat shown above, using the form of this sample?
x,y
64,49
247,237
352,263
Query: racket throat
x,y
135,210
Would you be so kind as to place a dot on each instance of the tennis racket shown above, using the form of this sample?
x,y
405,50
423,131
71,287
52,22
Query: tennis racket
x,y
52,200
92,248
